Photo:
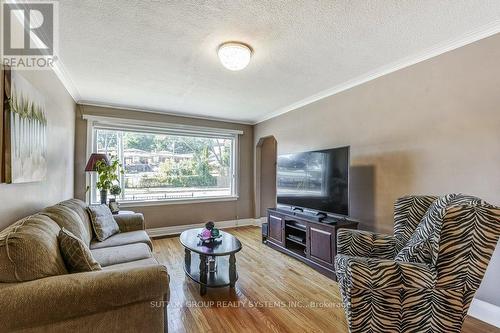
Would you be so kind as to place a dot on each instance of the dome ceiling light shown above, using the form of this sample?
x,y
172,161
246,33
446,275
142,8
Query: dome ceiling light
x,y
234,56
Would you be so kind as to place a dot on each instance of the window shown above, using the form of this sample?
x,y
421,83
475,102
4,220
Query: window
x,y
164,164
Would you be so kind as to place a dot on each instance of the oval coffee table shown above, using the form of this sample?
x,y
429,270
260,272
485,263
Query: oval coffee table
x,y
212,265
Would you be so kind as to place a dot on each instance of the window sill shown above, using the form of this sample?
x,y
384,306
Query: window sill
x,y
126,204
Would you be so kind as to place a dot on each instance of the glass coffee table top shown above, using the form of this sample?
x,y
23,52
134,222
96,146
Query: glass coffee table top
x,y
223,246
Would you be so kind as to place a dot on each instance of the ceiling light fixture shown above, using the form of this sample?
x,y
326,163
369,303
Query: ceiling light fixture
x,y
234,56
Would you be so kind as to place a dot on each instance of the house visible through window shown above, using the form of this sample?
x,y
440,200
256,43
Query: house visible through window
x,y
162,167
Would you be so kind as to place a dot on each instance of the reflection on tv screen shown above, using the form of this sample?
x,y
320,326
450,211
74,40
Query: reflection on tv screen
x,y
316,180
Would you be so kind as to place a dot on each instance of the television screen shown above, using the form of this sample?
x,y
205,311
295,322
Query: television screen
x,y
316,180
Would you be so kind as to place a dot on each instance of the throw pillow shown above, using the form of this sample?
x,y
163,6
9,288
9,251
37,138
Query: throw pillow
x,y
76,253
102,221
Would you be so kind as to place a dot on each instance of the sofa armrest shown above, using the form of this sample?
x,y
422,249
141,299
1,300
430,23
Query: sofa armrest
x,y
56,298
358,243
130,222
372,273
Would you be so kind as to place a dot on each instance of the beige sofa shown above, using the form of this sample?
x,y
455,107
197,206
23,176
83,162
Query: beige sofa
x,y
37,294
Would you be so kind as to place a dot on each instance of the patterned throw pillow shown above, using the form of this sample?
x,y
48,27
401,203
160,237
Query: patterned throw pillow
x,y
102,221
75,253
420,247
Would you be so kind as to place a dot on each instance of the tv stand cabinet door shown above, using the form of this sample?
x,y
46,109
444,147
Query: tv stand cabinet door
x,y
276,229
321,247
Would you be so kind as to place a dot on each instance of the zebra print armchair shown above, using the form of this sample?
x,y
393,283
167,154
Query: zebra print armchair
x,y
423,278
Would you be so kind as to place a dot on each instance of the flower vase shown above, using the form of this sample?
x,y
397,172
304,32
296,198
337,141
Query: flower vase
x,y
104,196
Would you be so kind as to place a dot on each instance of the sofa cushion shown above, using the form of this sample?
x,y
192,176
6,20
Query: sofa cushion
x,y
68,219
103,223
76,253
119,254
133,264
80,208
123,238
29,250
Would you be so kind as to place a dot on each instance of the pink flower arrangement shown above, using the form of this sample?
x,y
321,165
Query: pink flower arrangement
x,y
206,234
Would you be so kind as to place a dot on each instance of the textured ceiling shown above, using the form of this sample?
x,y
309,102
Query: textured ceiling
x,y
160,55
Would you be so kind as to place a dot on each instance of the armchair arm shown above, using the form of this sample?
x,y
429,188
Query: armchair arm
x,y
359,243
371,273
57,298
130,222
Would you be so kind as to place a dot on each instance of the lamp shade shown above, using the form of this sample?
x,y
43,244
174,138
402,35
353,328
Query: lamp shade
x,y
91,164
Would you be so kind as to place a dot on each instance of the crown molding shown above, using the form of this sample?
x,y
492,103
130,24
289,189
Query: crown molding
x,y
63,76
471,37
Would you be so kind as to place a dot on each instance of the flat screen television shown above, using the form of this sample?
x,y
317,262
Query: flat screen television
x,y
315,180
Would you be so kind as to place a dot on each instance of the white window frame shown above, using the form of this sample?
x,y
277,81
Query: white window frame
x,y
95,123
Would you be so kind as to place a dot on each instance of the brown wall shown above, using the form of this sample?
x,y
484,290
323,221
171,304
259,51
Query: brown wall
x,y
20,200
431,128
165,215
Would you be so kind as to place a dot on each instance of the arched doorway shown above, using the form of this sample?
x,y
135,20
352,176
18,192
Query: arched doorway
x,y
265,189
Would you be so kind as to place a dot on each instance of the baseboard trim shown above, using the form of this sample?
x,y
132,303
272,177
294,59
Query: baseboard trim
x,y
177,229
484,311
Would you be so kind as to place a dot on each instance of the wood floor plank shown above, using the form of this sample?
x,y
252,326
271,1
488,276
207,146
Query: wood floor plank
x,y
274,293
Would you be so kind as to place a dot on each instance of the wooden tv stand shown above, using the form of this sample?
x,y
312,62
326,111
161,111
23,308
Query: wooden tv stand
x,y
306,239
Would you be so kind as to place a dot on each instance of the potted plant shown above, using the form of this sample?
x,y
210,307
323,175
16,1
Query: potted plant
x,y
107,176
115,191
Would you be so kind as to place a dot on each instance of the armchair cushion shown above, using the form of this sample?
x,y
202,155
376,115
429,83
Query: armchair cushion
x,y
359,243
372,273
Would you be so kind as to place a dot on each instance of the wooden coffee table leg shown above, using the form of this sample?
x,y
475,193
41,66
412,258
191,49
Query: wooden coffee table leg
x,y
203,274
232,270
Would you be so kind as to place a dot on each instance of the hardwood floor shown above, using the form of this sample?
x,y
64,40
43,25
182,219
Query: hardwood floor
x,y
274,293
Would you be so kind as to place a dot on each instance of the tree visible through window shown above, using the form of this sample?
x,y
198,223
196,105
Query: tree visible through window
x,y
169,167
